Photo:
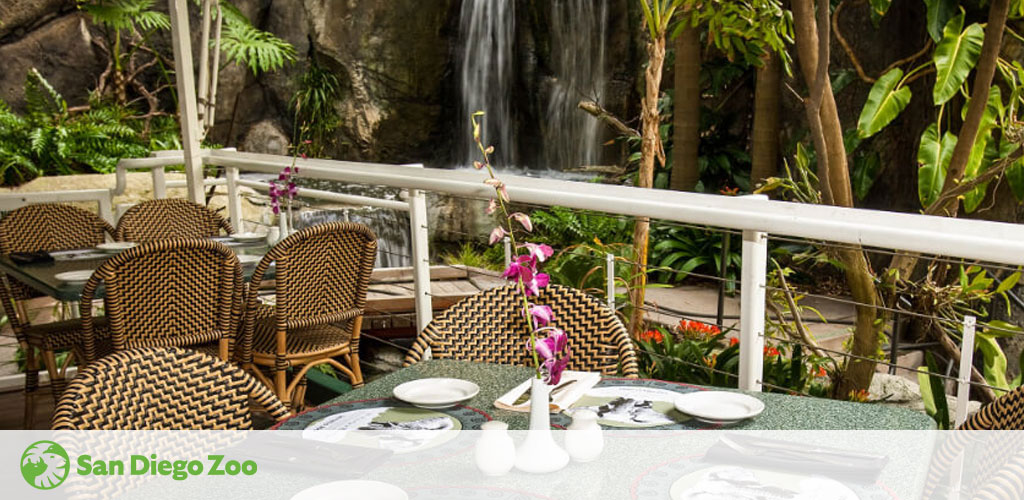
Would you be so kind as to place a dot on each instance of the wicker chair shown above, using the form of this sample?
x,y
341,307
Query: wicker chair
x,y
167,219
322,276
162,388
1000,468
44,227
489,328
184,292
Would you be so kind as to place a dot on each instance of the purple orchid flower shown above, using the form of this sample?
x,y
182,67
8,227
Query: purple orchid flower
x,y
542,315
540,252
554,354
520,269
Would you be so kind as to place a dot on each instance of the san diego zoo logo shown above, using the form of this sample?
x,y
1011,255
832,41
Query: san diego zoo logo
x,y
44,465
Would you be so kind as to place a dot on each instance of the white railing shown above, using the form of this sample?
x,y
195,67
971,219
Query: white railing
x,y
756,217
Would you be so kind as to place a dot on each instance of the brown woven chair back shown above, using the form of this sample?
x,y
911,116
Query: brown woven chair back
x,y
169,292
48,227
322,274
489,327
162,389
167,219
1005,413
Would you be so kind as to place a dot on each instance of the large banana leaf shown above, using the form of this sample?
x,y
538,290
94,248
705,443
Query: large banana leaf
x,y
885,102
994,361
955,57
933,160
939,13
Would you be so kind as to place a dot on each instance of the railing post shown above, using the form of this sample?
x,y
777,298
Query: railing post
x,y
159,183
752,309
107,209
420,256
185,81
507,242
963,389
610,274
234,201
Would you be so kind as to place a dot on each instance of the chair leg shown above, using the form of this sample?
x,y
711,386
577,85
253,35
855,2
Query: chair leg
x,y
357,371
299,402
31,385
281,387
57,381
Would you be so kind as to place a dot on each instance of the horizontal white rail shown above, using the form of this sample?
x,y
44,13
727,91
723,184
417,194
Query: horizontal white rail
x,y
101,197
350,199
983,240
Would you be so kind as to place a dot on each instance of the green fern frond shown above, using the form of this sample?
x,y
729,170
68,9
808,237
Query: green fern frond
x,y
41,99
123,14
259,50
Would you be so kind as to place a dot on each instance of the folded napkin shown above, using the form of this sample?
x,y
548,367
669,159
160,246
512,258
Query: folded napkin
x,y
39,257
843,465
570,389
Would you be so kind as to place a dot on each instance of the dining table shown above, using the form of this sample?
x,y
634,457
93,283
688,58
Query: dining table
x,y
43,276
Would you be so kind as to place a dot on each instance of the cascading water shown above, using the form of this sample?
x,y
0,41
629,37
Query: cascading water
x,y
487,35
578,34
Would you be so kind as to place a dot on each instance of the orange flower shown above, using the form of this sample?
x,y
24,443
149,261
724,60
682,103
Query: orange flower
x,y
820,372
770,351
730,191
860,396
697,329
733,341
652,335
710,361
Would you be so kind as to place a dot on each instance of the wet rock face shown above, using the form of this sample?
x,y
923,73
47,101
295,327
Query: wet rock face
x,y
19,16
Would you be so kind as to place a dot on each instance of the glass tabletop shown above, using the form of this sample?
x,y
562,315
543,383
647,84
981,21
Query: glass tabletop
x,y
43,276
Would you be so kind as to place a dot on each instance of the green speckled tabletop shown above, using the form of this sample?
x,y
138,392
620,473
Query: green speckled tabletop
x,y
781,412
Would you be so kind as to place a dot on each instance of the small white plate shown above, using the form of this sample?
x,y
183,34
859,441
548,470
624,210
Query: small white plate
x,y
116,246
248,237
352,490
719,406
435,393
245,260
74,276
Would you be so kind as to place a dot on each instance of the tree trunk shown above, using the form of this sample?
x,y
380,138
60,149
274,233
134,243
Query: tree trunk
x,y
686,109
836,180
997,13
765,135
645,179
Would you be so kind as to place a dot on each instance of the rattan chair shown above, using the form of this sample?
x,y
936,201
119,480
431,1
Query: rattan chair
x,y
44,227
489,328
162,388
997,457
167,219
184,292
322,276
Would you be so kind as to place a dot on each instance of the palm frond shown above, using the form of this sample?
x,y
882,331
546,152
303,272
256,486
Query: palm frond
x,y
259,50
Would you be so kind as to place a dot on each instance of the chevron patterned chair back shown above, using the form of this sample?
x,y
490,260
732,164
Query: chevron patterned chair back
x,y
44,227
184,292
489,328
162,388
168,219
323,273
999,470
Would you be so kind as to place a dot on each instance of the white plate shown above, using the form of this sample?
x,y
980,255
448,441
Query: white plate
x,y
249,259
434,393
352,490
756,483
719,406
74,276
248,236
116,246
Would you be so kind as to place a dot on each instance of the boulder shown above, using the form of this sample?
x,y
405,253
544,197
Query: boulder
x,y
266,137
894,390
19,16
63,53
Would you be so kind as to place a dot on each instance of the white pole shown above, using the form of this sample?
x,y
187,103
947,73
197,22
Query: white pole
x,y
190,134
963,389
610,274
234,201
204,61
420,257
211,108
507,242
752,296
159,183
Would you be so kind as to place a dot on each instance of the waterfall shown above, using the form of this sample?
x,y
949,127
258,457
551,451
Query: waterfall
x,y
578,33
487,34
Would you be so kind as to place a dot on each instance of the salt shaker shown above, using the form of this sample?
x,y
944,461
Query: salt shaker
x,y
495,452
584,440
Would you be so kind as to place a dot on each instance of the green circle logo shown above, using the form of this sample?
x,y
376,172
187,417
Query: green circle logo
x,y
44,465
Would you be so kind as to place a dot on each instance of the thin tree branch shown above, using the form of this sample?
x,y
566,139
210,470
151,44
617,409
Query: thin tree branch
x,y
595,109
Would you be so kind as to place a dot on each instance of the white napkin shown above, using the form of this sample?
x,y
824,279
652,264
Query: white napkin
x,y
578,383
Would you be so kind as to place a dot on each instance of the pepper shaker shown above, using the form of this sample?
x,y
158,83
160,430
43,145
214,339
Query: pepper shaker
x,y
584,439
495,452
